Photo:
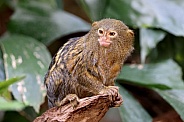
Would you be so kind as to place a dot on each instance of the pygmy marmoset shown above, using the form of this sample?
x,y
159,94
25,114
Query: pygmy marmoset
x,y
88,65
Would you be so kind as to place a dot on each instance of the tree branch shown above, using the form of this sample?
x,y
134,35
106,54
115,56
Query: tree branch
x,y
89,109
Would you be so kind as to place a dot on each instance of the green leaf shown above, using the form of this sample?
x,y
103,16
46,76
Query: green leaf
x,y
131,110
175,98
10,105
145,13
148,40
43,23
92,7
5,84
59,4
2,73
179,56
166,74
26,56
14,3
164,50
51,3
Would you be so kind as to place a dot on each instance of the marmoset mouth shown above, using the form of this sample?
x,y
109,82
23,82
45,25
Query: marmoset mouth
x,y
104,42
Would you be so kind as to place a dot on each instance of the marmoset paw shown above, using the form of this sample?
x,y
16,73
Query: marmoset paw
x,y
69,99
114,95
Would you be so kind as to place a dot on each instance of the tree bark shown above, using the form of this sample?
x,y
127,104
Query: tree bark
x,y
89,109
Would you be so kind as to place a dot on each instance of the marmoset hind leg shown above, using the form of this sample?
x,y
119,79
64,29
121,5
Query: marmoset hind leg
x,y
112,91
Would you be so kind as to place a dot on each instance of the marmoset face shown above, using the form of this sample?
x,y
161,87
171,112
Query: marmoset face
x,y
110,31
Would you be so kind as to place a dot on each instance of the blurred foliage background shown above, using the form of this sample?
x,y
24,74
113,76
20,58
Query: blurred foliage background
x,y
151,81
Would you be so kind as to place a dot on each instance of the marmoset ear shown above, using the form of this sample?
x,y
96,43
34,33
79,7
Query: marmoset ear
x,y
94,23
130,32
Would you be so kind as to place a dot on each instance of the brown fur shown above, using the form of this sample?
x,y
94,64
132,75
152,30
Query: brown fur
x,y
85,68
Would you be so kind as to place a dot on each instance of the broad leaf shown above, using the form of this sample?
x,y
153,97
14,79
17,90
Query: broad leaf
x,y
131,110
92,7
13,3
148,40
144,13
170,47
175,98
26,56
10,105
44,23
163,51
166,74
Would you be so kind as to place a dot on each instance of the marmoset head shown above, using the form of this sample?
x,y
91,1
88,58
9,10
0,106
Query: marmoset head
x,y
109,31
